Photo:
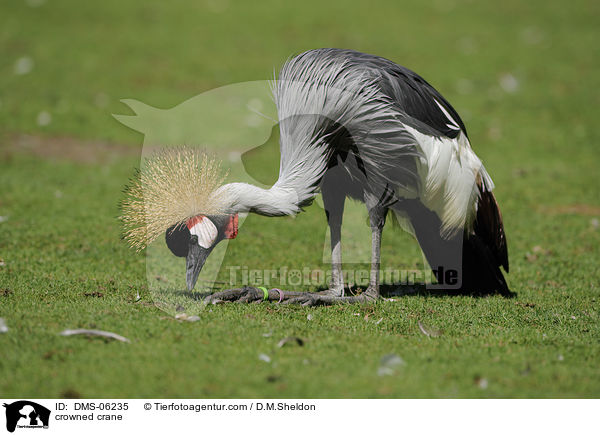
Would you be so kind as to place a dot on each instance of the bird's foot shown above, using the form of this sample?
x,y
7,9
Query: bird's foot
x,y
334,291
371,292
250,294
256,295
231,295
313,299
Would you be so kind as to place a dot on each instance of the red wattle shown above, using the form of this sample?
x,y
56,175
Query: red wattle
x,y
231,229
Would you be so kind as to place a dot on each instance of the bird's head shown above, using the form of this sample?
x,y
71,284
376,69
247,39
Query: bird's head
x,y
177,192
195,240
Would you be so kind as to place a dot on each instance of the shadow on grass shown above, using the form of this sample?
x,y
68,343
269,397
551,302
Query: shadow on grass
x,y
396,290
386,290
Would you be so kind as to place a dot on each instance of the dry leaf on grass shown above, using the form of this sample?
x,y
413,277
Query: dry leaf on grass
x,y
287,340
428,331
94,332
186,317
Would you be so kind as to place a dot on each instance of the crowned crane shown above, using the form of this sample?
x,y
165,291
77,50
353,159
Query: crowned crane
x,y
359,126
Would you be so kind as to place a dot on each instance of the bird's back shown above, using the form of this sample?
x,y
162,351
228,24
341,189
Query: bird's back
x,y
399,133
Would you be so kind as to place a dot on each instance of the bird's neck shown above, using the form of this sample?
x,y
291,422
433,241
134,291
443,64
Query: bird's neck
x,y
244,198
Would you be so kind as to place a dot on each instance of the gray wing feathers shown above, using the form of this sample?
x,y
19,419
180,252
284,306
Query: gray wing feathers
x,y
319,92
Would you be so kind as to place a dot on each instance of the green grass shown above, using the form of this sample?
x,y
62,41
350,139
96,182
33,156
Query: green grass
x,y
60,239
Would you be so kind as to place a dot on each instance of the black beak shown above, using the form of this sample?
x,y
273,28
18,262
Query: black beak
x,y
196,257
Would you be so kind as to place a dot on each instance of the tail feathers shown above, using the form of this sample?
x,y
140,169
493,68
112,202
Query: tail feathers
x,y
489,228
476,256
480,269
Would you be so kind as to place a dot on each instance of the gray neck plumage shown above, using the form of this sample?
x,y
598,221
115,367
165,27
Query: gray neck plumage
x,y
245,198
301,169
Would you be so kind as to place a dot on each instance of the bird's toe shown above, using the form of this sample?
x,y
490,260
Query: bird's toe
x,y
336,292
304,300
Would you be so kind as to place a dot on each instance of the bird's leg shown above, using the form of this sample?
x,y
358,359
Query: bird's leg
x,y
334,205
373,289
377,216
334,208
336,286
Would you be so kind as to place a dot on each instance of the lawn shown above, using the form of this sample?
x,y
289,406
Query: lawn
x,y
524,77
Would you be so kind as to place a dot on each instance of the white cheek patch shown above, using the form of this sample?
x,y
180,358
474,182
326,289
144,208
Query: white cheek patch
x,y
205,230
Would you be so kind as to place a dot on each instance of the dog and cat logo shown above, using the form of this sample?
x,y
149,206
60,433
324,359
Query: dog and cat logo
x,y
26,414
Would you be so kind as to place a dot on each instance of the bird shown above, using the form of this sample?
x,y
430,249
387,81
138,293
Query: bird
x,y
352,125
